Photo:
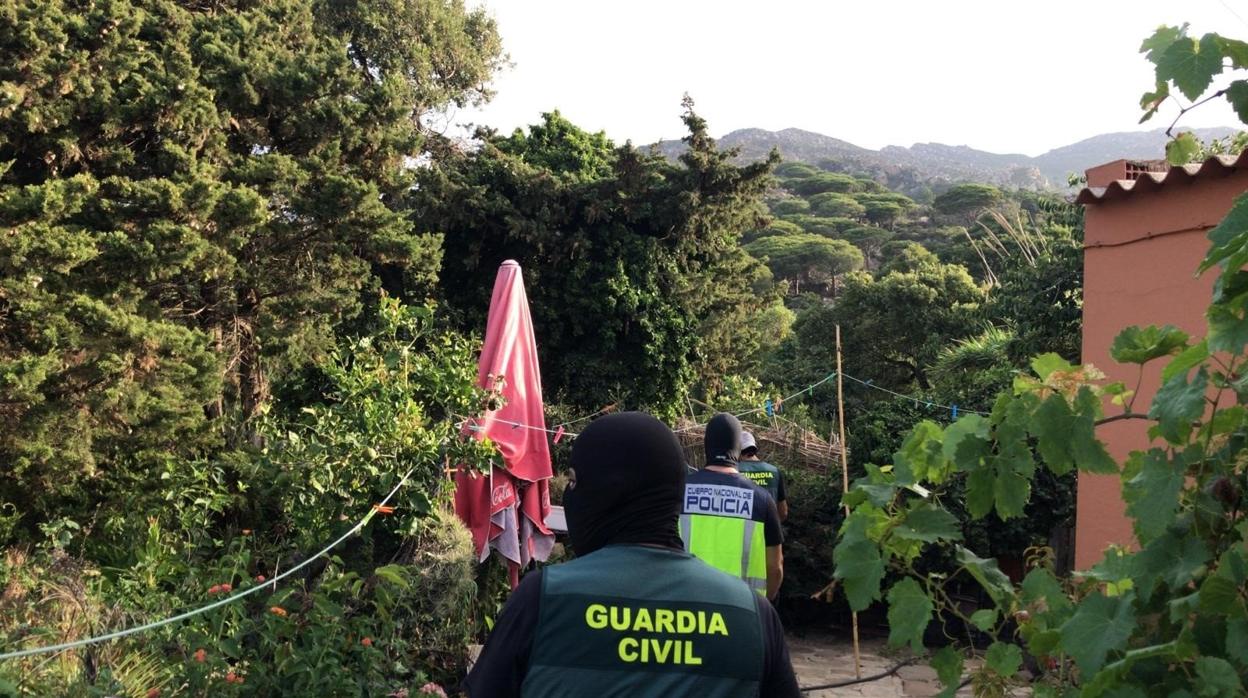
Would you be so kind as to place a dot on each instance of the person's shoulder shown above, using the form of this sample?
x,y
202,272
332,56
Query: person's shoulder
x,y
763,503
531,583
714,583
765,465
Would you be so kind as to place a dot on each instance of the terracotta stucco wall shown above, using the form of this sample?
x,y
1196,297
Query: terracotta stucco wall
x,y
1141,254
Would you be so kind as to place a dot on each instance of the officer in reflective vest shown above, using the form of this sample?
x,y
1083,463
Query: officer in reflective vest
x,y
634,614
728,521
763,474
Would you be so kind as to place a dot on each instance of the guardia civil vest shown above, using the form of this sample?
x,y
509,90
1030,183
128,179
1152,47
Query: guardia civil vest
x,y
722,524
632,621
763,474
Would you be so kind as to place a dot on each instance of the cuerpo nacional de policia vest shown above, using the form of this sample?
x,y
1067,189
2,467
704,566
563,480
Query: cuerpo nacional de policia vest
x,y
722,523
635,621
763,474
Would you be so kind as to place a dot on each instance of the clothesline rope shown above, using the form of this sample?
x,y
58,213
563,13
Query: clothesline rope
x,y
955,409
216,604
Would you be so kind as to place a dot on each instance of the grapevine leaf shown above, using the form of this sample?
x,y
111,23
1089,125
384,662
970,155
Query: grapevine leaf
x,y
1233,566
921,455
1220,596
1215,677
1155,45
876,487
1228,326
1114,570
1101,625
1150,102
1237,95
1227,421
1229,236
1191,64
1182,149
1089,452
966,441
1188,359
929,523
1237,641
1045,364
858,563
948,665
979,491
1179,403
1235,50
984,618
909,612
1050,425
1152,495
1012,485
989,576
1004,658
1040,585
1044,643
1139,345
1168,558
1184,607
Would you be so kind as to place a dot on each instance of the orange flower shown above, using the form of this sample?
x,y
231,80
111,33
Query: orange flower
x,y
200,655
383,510
229,678
214,588
259,577
367,642
278,611
226,587
153,693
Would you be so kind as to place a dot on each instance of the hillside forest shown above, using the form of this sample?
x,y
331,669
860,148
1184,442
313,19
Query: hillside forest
x,y
243,282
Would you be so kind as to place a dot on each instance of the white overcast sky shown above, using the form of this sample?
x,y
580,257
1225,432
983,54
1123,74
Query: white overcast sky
x,y
999,75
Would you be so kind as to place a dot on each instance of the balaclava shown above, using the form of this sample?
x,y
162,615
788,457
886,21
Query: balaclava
x,y
630,474
723,440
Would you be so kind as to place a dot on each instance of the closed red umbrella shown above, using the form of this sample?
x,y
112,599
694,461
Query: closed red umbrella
x,y
507,509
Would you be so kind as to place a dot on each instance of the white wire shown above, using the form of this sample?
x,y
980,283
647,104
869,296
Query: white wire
x,y
216,604
915,400
829,377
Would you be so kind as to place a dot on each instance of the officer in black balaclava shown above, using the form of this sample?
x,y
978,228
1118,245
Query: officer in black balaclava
x,y
726,519
633,614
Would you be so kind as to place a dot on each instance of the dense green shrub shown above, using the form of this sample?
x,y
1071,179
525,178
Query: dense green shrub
x,y
389,404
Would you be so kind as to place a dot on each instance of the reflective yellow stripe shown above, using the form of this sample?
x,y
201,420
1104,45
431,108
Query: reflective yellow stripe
x,y
756,573
736,546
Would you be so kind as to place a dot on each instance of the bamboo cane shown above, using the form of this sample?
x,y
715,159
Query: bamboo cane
x,y
840,418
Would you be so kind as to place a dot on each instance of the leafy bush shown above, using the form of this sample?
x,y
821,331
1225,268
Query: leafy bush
x,y
394,606
1169,619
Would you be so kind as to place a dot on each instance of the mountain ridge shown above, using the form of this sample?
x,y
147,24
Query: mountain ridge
x,y
936,165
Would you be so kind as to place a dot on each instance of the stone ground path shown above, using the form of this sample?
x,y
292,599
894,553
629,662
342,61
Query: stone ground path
x,y
828,658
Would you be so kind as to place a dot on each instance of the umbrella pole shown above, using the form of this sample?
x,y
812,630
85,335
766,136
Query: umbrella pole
x,y
840,417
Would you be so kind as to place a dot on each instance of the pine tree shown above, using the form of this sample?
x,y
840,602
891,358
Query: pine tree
x,y
193,195
638,285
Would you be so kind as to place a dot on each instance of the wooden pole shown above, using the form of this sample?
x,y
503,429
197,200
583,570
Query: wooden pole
x,y
840,418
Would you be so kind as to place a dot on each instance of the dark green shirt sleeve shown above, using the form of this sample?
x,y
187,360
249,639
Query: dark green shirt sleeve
x,y
780,495
773,535
504,661
778,680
